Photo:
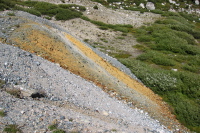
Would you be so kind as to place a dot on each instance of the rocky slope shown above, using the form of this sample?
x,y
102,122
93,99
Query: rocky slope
x,y
69,96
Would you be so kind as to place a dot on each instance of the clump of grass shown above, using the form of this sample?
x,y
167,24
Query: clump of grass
x,y
11,14
12,129
2,113
15,92
52,127
2,83
157,58
6,5
60,12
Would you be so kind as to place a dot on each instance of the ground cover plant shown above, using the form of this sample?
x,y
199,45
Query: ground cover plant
x,y
170,64
12,129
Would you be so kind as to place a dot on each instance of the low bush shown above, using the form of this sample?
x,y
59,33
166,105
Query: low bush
x,y
45,8
52,127
179,89
66,14
157,58
6,4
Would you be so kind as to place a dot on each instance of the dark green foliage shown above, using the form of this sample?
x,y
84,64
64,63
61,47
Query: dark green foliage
x,y
12,129
32,11
96,7
61,12
190,17
52,127
187,110
6,4
66,14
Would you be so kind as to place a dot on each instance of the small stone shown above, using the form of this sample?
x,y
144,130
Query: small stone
x,y
150,6
105,113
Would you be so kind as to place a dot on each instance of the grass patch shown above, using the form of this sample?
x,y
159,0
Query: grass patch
x,y
52,127
12,129
166,44
60,12
55,129
2,113
15,92
118,27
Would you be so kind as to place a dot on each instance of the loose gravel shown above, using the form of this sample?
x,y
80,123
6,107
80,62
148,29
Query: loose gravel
x,y
68,97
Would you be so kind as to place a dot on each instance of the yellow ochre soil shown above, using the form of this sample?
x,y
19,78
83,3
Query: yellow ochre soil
x,y
86,64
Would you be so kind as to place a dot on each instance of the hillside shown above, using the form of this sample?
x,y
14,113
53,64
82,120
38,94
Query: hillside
x,y
74,45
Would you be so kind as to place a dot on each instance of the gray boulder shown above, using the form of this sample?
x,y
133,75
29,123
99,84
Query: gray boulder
x,y
150,6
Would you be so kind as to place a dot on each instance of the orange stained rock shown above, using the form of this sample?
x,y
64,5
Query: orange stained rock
x,y
121,76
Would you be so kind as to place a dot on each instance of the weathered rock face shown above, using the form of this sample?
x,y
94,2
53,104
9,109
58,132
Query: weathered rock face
x,y
150,6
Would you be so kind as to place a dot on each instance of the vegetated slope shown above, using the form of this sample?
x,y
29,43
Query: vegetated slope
x,y
160,81
58,46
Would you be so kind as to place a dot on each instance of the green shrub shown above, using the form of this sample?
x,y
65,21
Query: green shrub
x,y
45,8
28,3
190,17
144,38
32,11
161,60
6,4
185,109
52,127
12,129
158,80
95,7
190,68
183,28
66,14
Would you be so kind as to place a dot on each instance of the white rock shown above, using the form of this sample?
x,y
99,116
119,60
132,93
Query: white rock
x,y
105,113
142,5
175,70
150,6
196,2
